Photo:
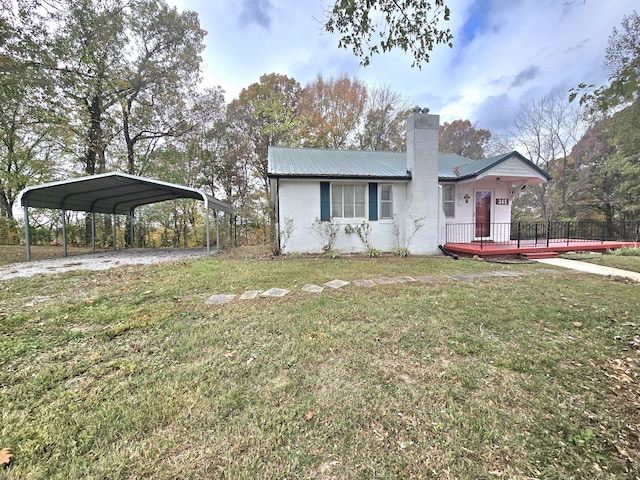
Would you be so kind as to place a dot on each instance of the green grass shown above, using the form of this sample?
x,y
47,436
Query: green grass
x,y
128,374
624,258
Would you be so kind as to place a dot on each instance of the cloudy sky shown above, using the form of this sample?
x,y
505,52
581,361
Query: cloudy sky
x,y
505,53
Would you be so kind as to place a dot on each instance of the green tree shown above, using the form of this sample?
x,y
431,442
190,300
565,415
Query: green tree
x,y
370,27
464,139
165,48
267,112
616,173
622,61
87,40
28,135
607,155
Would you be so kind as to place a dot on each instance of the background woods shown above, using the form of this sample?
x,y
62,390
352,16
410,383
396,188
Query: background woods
x,y
94,86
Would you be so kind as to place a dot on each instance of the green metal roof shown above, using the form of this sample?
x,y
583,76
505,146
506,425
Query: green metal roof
x,y
315,162
472,168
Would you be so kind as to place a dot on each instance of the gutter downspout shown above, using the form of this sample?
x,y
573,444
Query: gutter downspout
x,y
448,253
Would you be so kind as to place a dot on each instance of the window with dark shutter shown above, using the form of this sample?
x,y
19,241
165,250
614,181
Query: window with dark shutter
x,y
325,202
373,202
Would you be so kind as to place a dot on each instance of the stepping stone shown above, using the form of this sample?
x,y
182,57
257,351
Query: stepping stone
x,y
510,274
404,279
275,292
336,284
220,299
482,275
364,283
250,294
427,279
311,288
385,281
459,277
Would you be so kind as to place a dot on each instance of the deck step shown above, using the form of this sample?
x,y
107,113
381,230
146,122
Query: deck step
x,y
539,255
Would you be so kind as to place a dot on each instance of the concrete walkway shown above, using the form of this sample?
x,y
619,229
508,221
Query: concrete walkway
x,y
590,268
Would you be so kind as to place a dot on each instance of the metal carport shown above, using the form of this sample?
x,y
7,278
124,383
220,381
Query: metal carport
x,y
112,193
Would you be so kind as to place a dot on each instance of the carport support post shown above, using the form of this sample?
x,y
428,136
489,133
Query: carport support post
x,y
115,231
227,236
64,233
217,231
132,219
27,239
206,208
93,232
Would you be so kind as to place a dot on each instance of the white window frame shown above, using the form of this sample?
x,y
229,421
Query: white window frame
x,y
340,202
451,203
387,202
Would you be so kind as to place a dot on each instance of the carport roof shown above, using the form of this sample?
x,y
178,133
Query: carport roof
x,y
114,193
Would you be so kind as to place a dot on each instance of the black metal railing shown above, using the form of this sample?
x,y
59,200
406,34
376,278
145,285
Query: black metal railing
x,y
527,234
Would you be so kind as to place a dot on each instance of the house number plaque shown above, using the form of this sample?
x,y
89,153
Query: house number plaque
x,y
502,201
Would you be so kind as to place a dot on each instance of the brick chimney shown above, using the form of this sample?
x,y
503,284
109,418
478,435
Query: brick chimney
x,y
424,203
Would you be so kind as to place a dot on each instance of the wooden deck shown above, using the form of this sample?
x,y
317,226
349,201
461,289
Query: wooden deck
x,y
556,247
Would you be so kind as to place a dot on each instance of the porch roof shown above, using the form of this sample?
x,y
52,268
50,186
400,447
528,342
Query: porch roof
x,y
448,164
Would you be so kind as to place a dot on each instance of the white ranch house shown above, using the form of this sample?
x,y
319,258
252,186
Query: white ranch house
x,y
405,199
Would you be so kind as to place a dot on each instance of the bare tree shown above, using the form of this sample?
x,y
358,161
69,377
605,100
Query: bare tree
x,y
383,126
547,129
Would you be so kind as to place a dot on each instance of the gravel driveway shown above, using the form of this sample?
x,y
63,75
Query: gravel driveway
x,y
98,261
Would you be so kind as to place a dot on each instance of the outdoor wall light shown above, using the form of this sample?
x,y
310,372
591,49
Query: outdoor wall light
x,y
466,198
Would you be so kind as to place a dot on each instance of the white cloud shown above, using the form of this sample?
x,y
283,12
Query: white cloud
x,y
505,53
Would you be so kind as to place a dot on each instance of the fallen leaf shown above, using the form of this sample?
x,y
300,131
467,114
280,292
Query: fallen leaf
x,y
622,452
309,415
89,300
5,456
625,378
147,292
577,324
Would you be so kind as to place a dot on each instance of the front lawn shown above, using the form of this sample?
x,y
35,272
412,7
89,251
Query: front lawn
x,y
626,259
127,373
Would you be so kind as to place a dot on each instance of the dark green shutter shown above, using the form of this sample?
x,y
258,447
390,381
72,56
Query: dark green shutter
x,y
373,202
325,202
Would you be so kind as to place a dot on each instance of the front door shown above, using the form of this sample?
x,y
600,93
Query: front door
x,y
483,214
